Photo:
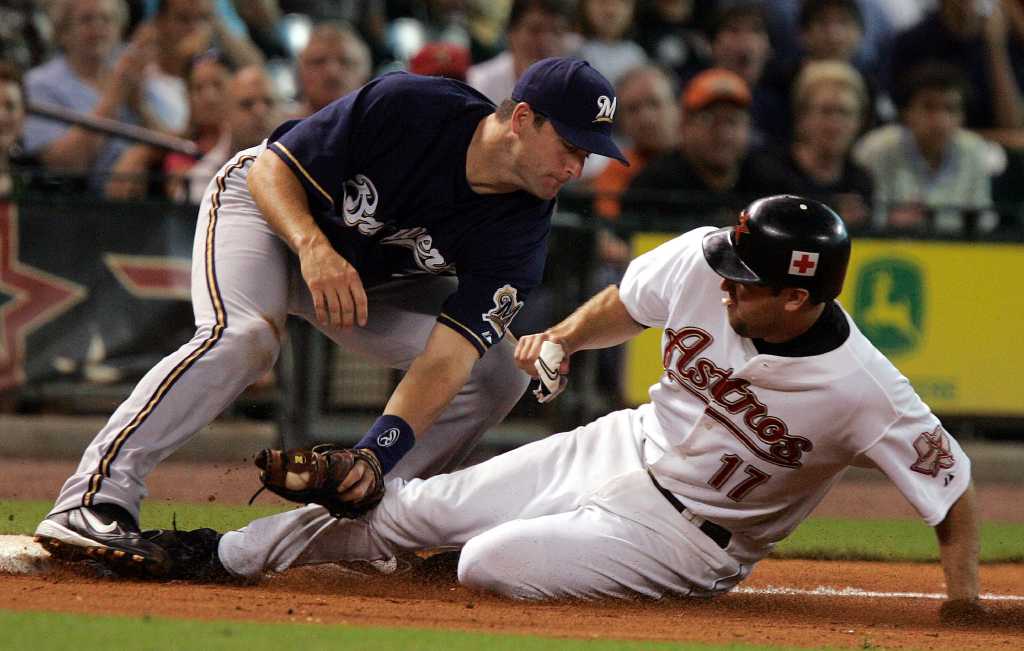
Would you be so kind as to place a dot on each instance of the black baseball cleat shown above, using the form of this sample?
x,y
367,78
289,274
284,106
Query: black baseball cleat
x,y
192,555
105,533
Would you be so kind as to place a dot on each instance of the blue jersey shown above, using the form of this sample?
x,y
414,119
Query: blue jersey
x,y
384,169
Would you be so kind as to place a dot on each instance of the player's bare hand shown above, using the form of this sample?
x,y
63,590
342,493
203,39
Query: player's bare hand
x,y
528,350
357,484
964,612
337,290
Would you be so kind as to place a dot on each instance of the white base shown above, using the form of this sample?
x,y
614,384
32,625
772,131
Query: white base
x,y
20,555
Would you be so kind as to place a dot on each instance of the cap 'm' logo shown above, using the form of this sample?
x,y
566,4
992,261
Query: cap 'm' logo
x,y
803,263
606,108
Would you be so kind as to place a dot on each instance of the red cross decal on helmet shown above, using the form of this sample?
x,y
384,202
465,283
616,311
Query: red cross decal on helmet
x,y
803,263
933,453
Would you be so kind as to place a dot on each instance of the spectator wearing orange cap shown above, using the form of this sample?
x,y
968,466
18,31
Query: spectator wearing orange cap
x,y
740,43
714,172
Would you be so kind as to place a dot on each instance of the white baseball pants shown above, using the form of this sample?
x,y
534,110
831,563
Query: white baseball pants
x,y
573,515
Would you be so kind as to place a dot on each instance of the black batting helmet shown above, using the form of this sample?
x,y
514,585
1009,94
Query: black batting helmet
x,y
783,241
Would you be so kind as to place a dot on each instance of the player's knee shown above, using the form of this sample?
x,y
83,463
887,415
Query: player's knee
x,y
486,564
258,340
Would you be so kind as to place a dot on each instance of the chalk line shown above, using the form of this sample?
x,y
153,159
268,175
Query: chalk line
x,y
825,591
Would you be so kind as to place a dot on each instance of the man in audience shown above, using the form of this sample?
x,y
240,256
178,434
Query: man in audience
x,y
252,114
670,33
536,30
335,62
714,172
648,117
878,21
929,172
833,30
974,36
740,43
90,77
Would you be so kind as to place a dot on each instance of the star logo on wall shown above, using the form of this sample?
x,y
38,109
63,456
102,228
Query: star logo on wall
x,y
152,277
29,298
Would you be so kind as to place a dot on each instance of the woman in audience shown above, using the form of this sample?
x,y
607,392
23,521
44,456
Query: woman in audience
x,y
93,74
208,79
829,105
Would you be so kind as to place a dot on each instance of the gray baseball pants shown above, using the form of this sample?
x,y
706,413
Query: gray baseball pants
x,y
245,282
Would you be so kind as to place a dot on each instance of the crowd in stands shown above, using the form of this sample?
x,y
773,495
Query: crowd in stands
x,y
899,113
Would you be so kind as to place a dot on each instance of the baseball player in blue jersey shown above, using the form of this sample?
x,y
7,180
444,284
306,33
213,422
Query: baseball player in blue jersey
x,y
408,221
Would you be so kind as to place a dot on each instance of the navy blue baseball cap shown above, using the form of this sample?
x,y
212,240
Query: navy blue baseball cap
x,y
578,100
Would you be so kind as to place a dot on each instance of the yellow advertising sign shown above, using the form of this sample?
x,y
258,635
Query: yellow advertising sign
x,y
944,313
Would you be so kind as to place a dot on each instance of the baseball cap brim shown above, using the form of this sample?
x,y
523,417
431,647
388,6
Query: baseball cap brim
x,y
721,255
591,141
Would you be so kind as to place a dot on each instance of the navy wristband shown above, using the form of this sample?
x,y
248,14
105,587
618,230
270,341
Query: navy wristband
x,y
390,438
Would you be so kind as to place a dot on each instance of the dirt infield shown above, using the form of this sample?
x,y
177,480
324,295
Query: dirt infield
x,y
429,597
328,595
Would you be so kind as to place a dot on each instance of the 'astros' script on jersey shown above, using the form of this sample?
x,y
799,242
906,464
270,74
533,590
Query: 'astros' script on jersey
x,y
716,386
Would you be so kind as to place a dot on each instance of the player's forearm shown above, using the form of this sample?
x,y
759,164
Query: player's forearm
x,y
959,544
601,322
279,195
433,379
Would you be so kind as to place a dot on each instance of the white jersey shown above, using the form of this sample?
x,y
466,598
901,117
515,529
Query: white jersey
x,y
753,442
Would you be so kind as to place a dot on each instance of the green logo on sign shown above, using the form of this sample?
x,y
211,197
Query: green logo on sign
x,y
889,304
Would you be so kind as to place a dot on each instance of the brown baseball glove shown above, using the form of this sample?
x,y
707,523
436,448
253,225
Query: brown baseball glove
x,y
312,476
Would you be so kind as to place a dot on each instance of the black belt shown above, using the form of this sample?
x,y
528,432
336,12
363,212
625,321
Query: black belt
x,y
715,532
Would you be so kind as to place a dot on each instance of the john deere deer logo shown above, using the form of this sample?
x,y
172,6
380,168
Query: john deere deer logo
x,y
889,304
606,108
